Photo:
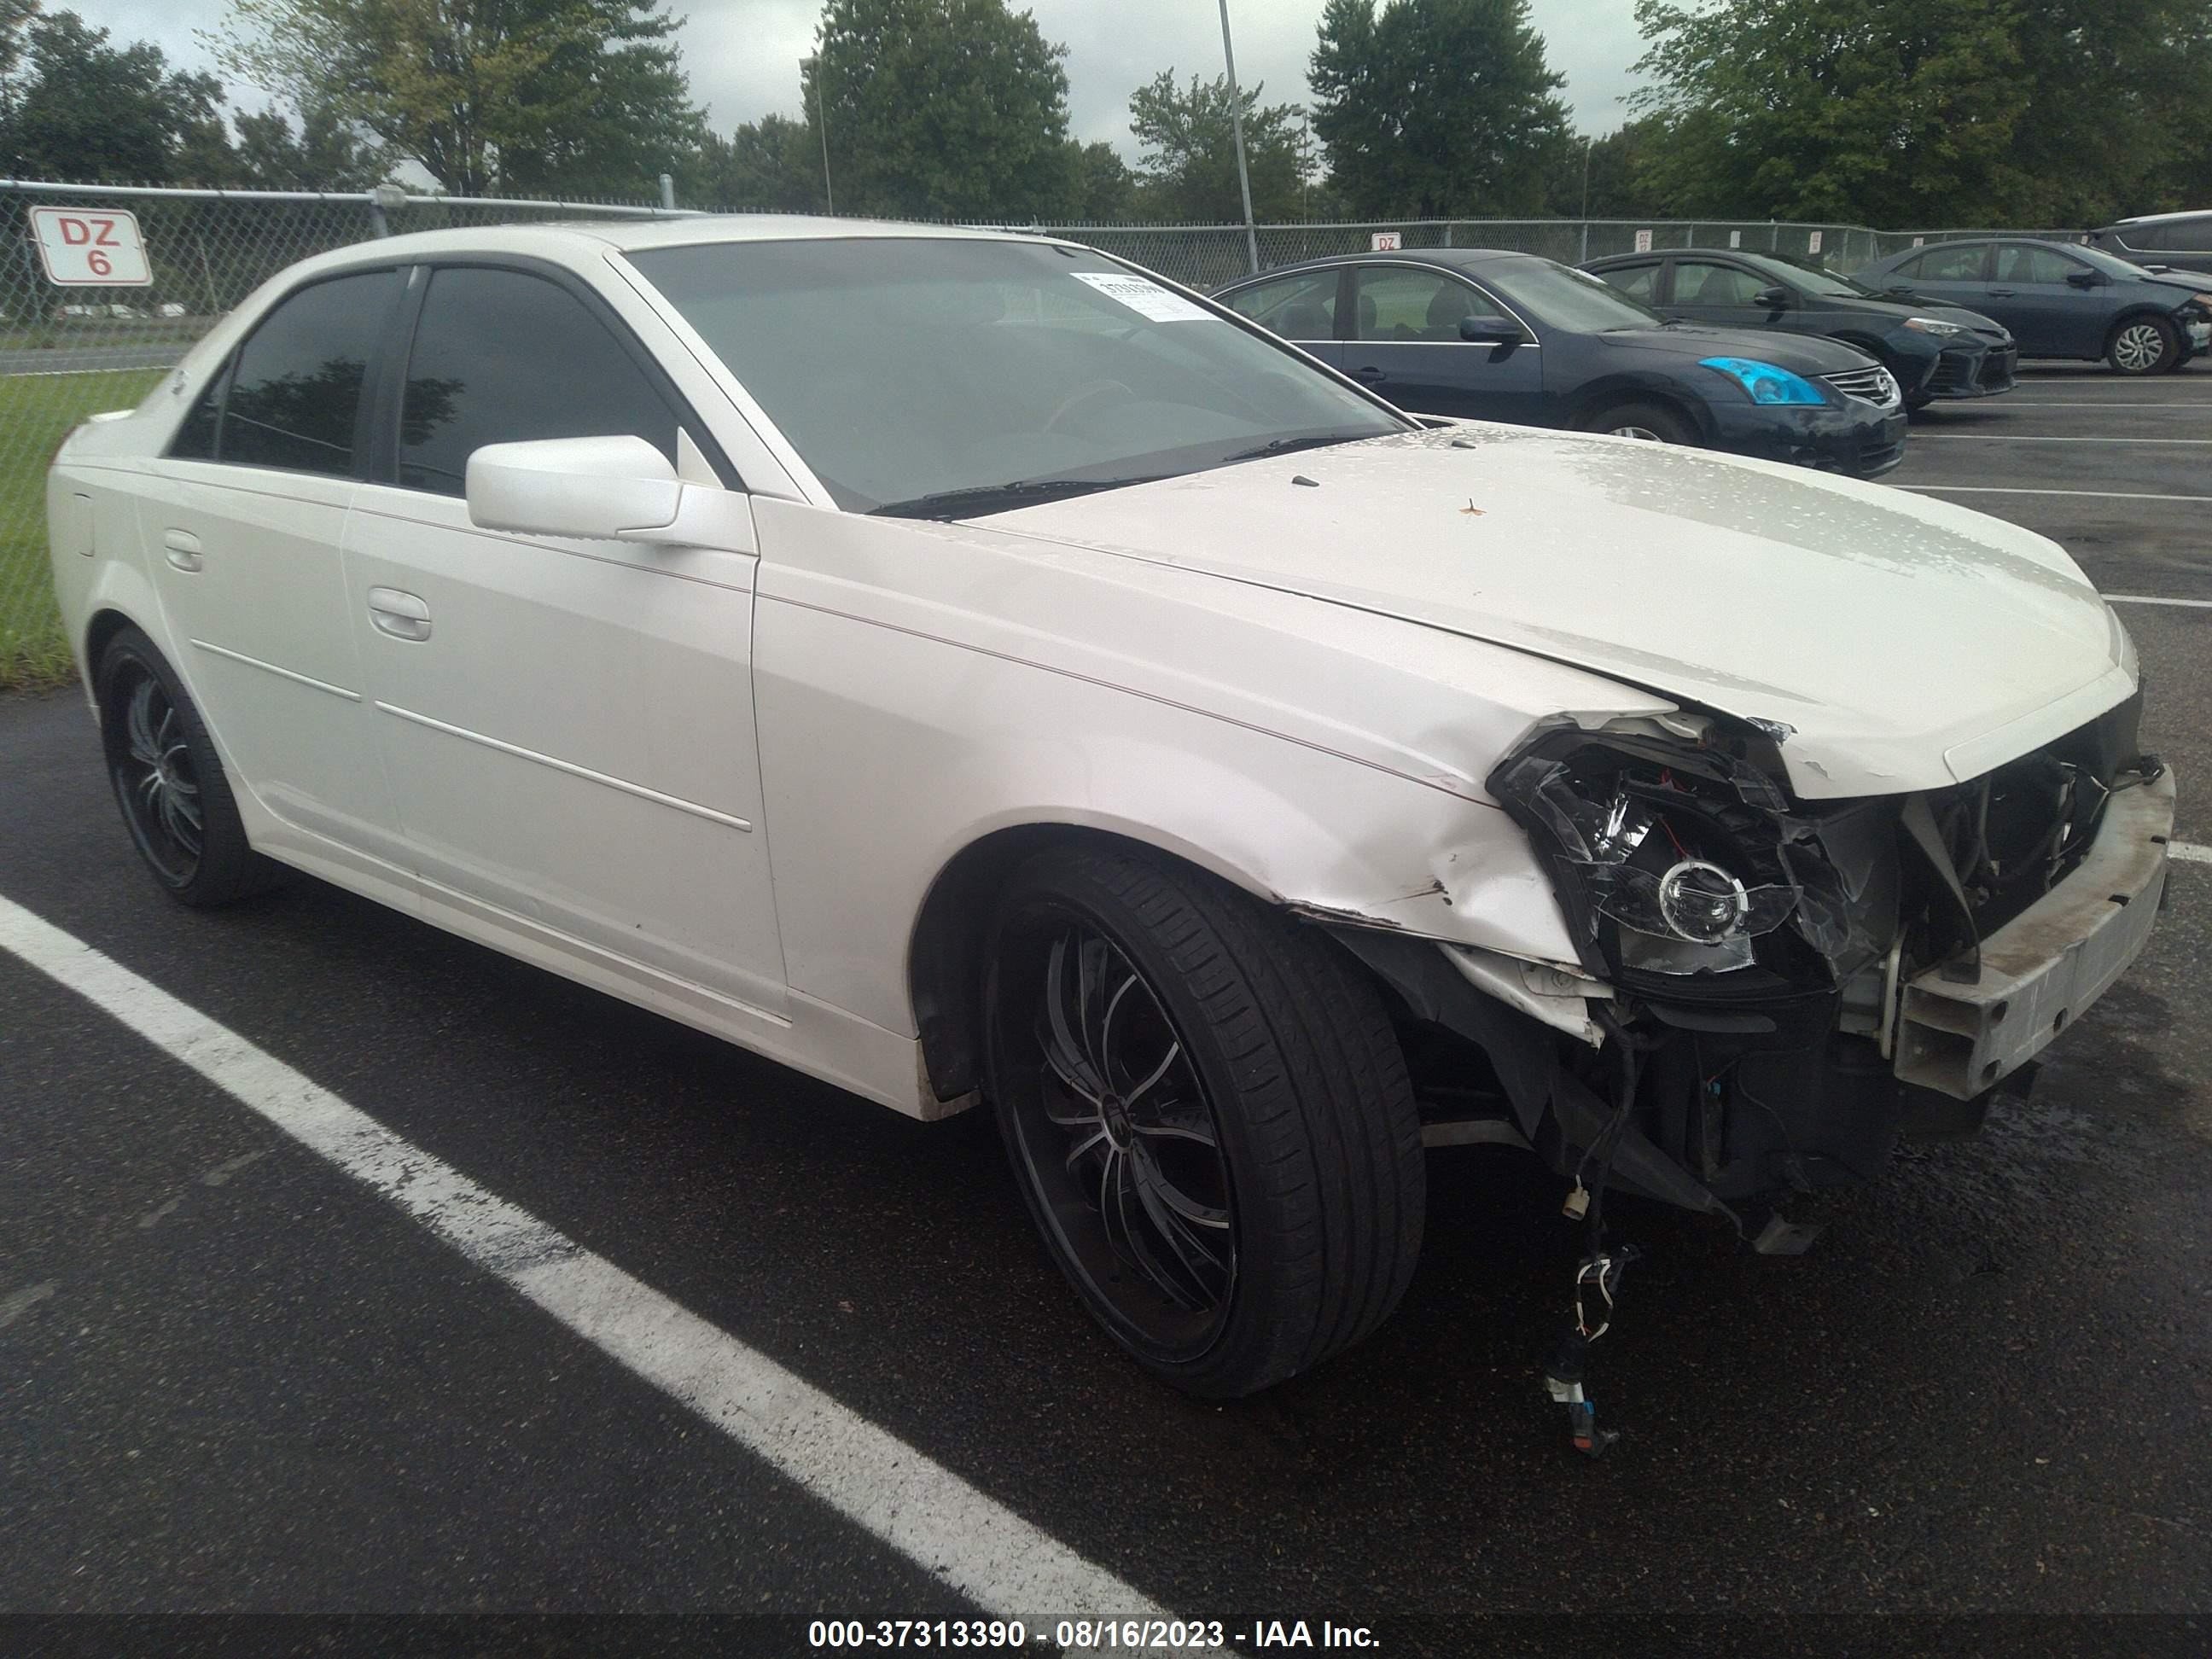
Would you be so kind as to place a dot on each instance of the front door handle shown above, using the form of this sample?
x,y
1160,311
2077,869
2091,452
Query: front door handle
x,y
402,615
1370,373
182,549
2000,293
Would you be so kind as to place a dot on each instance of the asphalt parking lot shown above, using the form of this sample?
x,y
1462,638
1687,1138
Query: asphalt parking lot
x,y
240,1378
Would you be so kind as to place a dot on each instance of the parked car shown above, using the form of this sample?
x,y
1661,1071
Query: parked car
x,y
1933,351
2167,241
2060,300
1508,337
963,668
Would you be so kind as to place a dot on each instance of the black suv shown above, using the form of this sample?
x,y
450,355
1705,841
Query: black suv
x,y
2179,241
1935,350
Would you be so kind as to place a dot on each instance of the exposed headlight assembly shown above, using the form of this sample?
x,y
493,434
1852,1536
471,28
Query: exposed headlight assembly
x,y
1766,382
1934,325
1669,857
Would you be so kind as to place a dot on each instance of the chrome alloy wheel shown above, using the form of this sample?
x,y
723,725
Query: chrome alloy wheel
x,y
1643,432
2138,347
1121,1142
157,782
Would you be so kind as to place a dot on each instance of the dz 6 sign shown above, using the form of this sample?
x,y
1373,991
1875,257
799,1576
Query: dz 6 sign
x,y
91,247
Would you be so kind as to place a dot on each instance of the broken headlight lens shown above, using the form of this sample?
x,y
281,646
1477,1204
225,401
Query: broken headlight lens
x,y
1649,856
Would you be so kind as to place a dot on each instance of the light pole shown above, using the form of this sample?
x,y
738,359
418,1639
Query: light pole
x,y
1237,125
1588,139
813,66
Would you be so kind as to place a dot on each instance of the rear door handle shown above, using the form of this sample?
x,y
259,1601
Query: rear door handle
x,y
1369,373
402,615
182,549
2000,293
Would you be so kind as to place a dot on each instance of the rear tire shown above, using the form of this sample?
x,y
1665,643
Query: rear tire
x,y
169,782
1653,422
2143,345
1207,1113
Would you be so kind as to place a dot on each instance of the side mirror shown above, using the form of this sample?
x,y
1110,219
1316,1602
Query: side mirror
x,y
2086,279
593,488
1490,330
1904,288
1771,299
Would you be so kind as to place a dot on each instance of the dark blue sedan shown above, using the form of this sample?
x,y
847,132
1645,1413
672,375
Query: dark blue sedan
x,y
1488,335
2061,300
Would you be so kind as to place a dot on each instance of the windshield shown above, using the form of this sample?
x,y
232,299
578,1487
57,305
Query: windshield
x,y
2111,264
946,377
1813,278
1562,296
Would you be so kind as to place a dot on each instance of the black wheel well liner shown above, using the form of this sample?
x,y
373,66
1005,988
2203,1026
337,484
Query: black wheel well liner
x,y
1610,394
2136,314
107,623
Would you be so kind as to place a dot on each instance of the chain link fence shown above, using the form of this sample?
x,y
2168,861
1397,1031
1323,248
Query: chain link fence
x,y
67,352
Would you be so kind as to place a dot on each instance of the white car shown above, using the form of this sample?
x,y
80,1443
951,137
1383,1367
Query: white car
x,y
965,668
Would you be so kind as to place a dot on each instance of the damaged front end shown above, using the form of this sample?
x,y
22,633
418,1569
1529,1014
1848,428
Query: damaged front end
x,y
1801,984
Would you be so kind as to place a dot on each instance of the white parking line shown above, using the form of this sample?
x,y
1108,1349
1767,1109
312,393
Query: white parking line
x,y
918,1508
2101,403
2093,495
2188,851
2145,599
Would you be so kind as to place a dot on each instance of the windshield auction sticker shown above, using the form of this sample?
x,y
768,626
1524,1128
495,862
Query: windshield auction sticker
x,y
1143,296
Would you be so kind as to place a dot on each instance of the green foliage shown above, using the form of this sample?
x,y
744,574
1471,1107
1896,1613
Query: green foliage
x,y
1612,185
772,164
941,109
1188,172
1103,191
75,107
1923,113
578,97
325,153
1434,108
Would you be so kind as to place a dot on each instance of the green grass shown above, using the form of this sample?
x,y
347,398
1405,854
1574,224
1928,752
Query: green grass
x,y
36,411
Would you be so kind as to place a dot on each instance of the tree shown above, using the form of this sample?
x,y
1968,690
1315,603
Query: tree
x,y
1611,184
1436,108
1102,190
941,109
581,96
772,164
325,153
1188,172
80,109
1921,113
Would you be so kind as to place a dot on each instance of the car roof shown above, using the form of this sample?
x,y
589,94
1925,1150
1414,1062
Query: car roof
x,y
2157,218
1445,258
574,236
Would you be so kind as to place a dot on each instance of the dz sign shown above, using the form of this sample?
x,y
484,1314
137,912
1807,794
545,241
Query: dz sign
x,y
91,247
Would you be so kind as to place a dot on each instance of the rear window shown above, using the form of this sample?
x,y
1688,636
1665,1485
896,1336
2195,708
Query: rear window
x,y
295,397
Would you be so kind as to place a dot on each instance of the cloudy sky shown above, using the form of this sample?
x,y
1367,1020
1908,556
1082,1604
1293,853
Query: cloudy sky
x,y
742,55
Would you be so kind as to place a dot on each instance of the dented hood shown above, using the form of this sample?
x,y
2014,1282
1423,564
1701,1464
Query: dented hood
x,y
1907,643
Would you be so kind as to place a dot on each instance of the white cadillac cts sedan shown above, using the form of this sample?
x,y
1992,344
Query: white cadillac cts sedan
x,y
966,669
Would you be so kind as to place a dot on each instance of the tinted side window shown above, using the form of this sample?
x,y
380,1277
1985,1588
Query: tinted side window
x,y
295,390
2191,235
1700,283
1296,308
195,438
1413,305
502,357
1952,264
2019,263
1636,282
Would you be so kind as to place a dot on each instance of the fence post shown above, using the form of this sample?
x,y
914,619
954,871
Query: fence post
x,y
668,192
1585,258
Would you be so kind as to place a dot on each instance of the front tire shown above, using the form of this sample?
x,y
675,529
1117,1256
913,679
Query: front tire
x,y
169,782
1653,422
2144,345
1207,1113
